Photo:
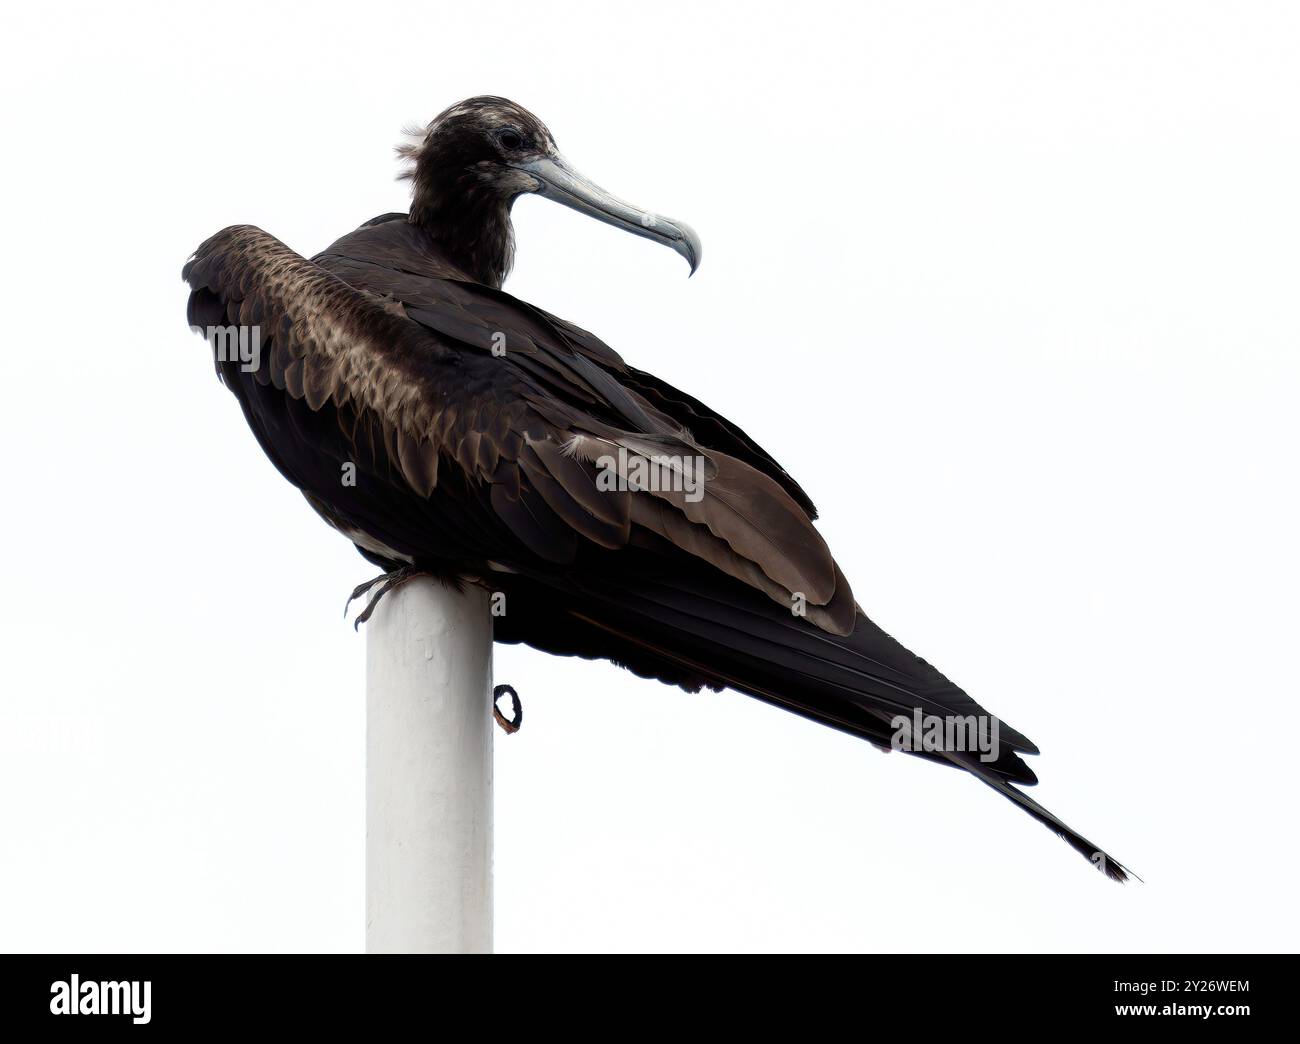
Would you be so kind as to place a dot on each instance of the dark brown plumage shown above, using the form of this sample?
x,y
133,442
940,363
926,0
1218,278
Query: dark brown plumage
x,y
479,427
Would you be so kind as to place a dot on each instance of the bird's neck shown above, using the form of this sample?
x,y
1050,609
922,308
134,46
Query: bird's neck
x,y
470,224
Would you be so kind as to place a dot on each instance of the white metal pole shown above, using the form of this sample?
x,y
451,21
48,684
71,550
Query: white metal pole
x,y
429,771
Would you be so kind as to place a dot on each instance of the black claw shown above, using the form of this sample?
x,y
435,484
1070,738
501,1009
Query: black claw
x,y
361,589
387,582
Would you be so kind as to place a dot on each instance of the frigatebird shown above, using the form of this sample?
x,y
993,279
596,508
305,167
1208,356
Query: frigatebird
x,y
490,442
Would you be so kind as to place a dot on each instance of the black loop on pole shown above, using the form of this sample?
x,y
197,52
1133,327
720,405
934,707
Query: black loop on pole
x,y
509,725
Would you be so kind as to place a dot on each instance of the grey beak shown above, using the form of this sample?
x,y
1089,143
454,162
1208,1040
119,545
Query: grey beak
x,y
558,181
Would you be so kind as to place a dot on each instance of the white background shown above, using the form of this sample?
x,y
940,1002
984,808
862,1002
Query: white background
x,y
1011,288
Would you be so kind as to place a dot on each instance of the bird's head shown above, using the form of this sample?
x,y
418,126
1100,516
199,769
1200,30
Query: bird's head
x,y
477,157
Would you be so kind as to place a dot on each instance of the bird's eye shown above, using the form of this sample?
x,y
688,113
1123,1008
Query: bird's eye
x,y
511,140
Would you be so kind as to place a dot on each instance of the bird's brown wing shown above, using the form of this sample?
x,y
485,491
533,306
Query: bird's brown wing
x,y
533,424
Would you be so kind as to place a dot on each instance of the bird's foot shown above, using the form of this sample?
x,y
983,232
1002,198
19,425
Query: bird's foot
x,y
387,582
509,725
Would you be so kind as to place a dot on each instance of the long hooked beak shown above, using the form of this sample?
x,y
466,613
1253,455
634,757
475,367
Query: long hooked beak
x,y
558,181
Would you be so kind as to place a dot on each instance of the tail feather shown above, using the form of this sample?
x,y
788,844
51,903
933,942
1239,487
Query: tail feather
x,y
1103,861
721,634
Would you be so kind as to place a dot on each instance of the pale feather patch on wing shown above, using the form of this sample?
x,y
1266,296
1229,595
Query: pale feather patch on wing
x,y
747,513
